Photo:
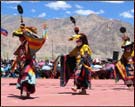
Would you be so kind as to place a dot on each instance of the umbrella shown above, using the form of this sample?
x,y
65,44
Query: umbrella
x,y
46,67
2,69
50,64
41,63
109,66
96,67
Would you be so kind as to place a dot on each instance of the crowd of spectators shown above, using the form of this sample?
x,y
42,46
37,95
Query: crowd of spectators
x,y
45,69
42,68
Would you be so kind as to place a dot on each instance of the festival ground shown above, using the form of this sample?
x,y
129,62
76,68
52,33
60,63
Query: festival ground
x,y
49,93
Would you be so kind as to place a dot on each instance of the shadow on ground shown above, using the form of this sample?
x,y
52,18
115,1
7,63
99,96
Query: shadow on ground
x,y
21,97
72,93
123,88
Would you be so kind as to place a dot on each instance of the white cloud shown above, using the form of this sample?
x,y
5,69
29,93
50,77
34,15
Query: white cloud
x,y
87,12
33,1
12,7
100,12
14,14
56,18
111,19
58,5
42,15
113,1
8,2
68,12
126,14
33,10
132,10
84,12
78,6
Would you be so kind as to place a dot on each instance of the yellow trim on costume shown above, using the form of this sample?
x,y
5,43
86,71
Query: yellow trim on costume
x,y
18,31
85,48
121,69
80,52
74,37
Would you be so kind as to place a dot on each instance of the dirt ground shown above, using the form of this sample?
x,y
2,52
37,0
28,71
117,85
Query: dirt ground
x,y
49,93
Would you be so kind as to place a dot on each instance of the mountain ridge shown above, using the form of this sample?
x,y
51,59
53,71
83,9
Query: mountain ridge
x,y
103,35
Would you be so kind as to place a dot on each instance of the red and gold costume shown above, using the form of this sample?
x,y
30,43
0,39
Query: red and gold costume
x,y
125,66
25,56
77,64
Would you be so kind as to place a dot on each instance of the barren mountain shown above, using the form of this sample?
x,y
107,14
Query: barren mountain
x,y
103,35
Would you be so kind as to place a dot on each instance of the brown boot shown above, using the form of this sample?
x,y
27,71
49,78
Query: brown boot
x,y
28,94
74,88
83,92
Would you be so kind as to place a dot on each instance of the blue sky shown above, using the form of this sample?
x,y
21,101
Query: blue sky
x,y
120,10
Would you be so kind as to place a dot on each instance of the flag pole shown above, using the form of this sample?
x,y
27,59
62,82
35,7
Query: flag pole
x,y
52,49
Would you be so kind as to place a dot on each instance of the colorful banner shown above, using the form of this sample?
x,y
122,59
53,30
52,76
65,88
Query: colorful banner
x,y
4,32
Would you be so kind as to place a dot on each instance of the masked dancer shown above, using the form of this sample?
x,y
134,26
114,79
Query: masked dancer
x,y
30,43
77,63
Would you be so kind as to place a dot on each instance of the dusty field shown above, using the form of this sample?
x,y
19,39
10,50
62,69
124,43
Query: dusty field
x,y
49,93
